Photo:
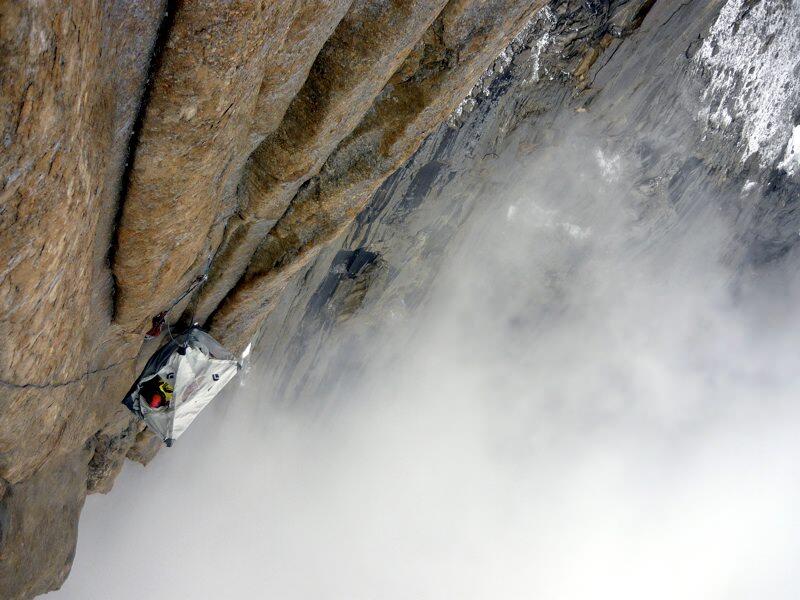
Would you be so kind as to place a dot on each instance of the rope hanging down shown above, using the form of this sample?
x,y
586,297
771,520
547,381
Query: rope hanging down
x,y
160,320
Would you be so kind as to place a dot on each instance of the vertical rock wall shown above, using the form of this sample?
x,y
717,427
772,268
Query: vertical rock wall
x,y
146,143
434,78
71,83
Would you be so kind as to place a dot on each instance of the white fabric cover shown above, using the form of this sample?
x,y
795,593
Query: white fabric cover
x,y
198,380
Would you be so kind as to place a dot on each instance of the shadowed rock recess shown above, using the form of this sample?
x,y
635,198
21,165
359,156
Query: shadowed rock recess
x,y
149,143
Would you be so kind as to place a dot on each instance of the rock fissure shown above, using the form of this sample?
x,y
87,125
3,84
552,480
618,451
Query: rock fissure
x,y
169,8
676,11
58,384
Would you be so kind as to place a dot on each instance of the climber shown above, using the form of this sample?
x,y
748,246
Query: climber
x,y
157,391
157,325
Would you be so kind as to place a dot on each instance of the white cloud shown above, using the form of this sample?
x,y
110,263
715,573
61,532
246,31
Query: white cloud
x,y
569,417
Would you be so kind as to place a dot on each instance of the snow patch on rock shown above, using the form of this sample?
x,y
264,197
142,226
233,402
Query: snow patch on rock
x,y
610,165
544,17
752,56
536,57
791,157
550,20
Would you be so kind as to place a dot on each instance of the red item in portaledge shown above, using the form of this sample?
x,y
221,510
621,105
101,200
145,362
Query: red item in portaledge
x,y
156,401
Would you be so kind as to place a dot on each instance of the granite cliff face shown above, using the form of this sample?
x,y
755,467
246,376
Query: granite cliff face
x,y
146,144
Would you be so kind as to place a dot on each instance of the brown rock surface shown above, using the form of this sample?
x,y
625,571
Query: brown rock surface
x,y
311,25
66,112
226,67
72,77
38,545
453,53
324,97
367,47
195,128
70,90
365,50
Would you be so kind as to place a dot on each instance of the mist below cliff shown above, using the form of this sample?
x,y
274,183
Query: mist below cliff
x,y
596,399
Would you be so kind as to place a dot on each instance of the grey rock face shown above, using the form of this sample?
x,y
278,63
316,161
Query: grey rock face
x,y
126,130
641,77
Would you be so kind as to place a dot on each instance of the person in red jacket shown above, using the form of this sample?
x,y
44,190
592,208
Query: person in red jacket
x,y
157,392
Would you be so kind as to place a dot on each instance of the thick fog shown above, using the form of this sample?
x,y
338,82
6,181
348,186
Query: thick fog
x,y
595,401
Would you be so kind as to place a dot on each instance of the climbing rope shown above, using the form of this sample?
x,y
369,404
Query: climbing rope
x,y
160,320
